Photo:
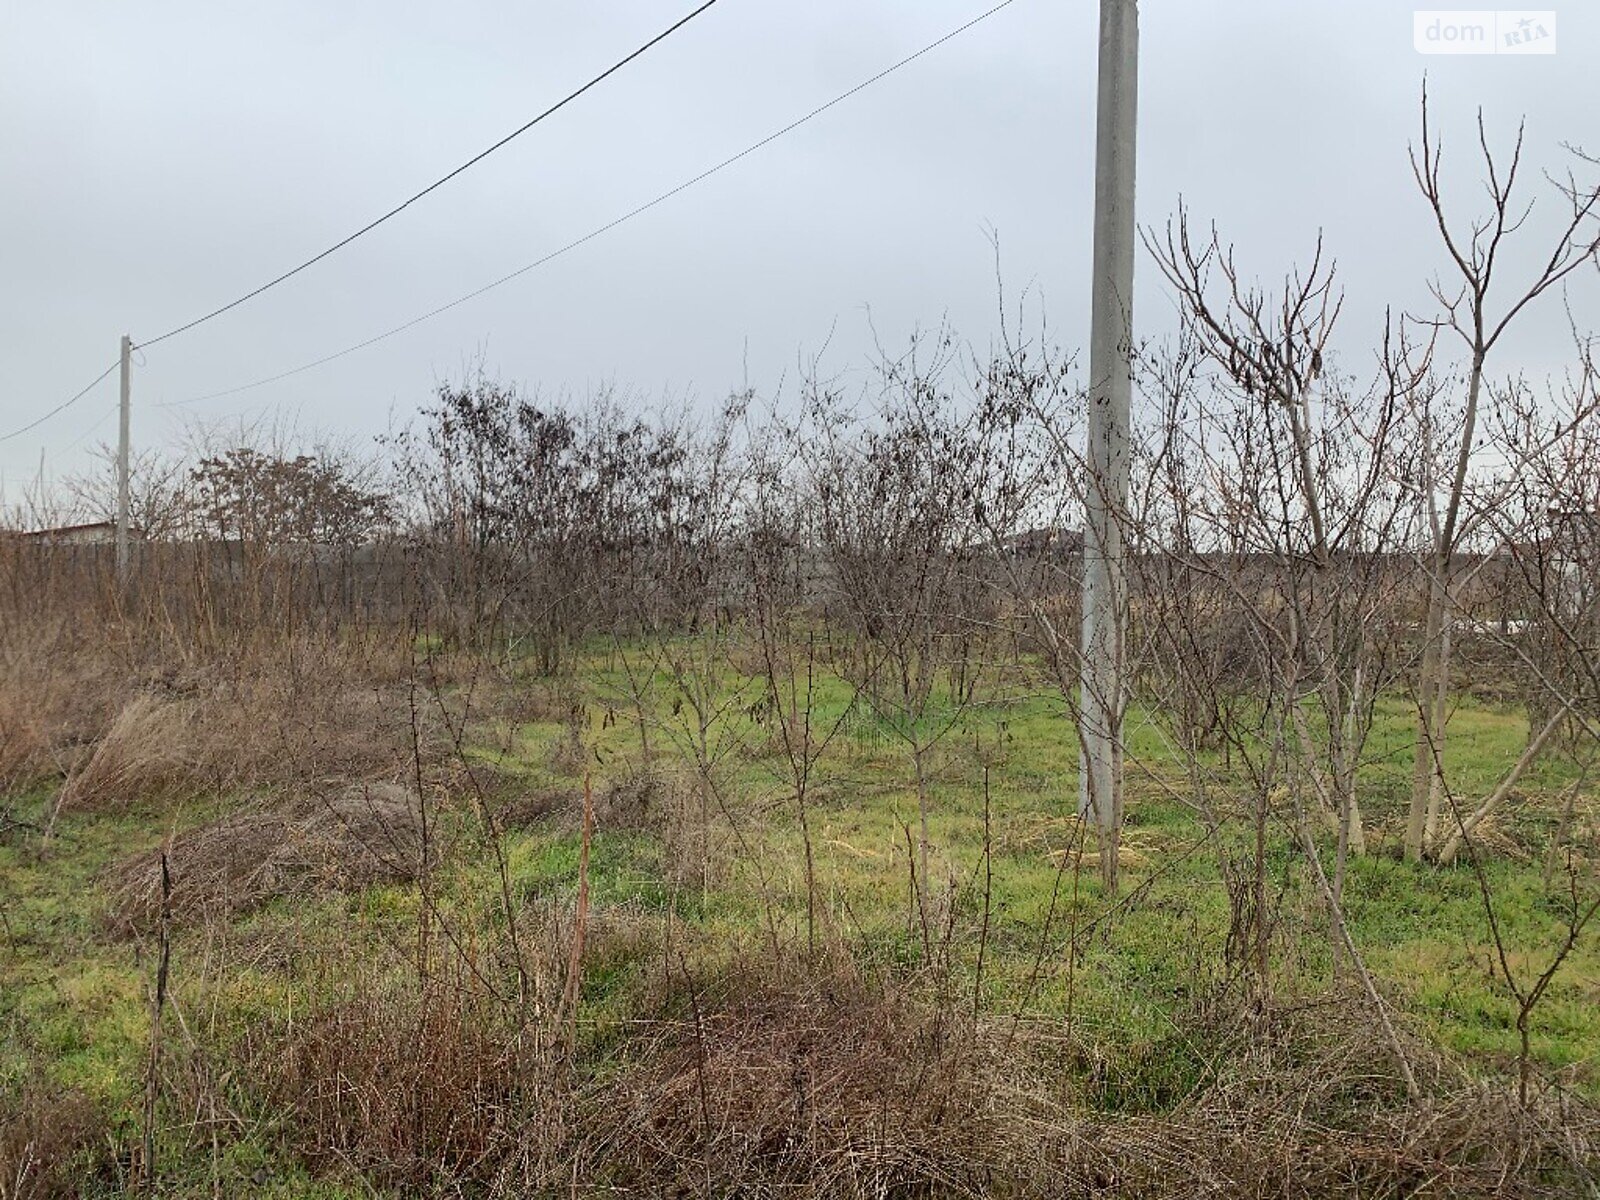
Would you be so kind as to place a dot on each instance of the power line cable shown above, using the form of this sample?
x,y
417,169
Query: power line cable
x,y
606,228
89,432
438,183
63,406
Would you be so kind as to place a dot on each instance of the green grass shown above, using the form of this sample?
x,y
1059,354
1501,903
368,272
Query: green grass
x,y
73,998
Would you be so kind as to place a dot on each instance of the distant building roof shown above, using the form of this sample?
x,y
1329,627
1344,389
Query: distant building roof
x,y
85,531
1045,542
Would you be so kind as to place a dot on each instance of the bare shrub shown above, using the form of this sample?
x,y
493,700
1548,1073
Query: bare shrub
x,y
361,836
894,531
767,1077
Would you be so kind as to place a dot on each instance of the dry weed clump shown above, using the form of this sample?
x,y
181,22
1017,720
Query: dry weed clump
x,y
1311,1104
432,1086
360,835
774,1077
144,752
1476,1144
822,1085
53,1145
769,1081
642,799
302,712
826,1086
27,733
645,797
116,734
132,715
57,694
517,806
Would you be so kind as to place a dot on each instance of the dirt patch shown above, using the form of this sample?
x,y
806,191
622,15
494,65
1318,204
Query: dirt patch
x,y
350,839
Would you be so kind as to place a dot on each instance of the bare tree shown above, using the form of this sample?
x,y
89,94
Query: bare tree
x,y
523,510
161,507
795,639
684,605
1546,526
1470,309
266,499
1304,470
894,516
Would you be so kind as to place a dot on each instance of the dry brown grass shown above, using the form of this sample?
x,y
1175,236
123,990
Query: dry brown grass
x,y
767,1077
54,1145
145,751
412,1090
1339,1124
819,1084
353,837
439,1073
206,672
1476,1145
54,690
305,711
226,734
119,725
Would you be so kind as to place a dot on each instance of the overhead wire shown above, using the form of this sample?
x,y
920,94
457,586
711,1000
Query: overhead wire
x,y
63,406
437,183
90,430
603,229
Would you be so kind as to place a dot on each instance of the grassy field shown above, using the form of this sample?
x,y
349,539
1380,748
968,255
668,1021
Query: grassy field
x,y
1132,1003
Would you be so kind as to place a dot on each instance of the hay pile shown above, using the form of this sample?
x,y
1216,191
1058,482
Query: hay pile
x,y
353,838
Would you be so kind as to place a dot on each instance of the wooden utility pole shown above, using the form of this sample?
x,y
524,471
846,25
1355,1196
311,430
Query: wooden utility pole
x,y
123,488
1105,595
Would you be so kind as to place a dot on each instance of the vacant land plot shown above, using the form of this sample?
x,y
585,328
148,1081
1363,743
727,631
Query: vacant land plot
x,y
585,933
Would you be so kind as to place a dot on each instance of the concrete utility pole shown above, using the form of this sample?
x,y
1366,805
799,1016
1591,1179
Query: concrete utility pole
x,y
1105,594
122,459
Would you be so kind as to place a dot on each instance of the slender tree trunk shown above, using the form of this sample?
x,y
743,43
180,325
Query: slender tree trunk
x,y
923,840
1352,744
1432,691
1441,714
1422,825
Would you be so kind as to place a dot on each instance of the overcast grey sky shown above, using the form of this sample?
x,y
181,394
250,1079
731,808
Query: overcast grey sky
x,y
161,158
